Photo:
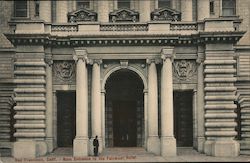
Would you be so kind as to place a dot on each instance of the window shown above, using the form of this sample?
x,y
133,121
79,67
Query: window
x,y
228,7
211,7
123,4
164,3
21,8
37,3
83,4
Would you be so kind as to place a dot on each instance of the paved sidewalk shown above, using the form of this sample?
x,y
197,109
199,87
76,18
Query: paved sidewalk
x,y
64,155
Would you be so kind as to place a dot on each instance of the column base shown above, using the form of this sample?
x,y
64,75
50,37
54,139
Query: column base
x,y
168,146
91,147
153,145
29,149
50,144
200,144
80,147
222,148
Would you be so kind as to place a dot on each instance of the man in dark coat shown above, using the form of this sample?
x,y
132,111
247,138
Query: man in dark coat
x,y
96,145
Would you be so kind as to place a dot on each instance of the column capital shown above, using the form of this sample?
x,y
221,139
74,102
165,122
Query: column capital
x,y
48,59
153,60
167,53
201,57
81,54
93,61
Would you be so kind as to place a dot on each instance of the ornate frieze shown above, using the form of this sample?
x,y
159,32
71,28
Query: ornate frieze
x,y
184,70
165,14
64,71
124,15
82,15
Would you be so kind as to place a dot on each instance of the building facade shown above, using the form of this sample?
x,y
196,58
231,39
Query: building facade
x,y
156,74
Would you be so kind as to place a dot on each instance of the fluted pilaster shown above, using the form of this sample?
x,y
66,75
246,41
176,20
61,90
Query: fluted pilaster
x,y
45,10
49,103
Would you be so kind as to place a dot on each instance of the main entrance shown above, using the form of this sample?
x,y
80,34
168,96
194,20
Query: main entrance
x,y
66,123
124,113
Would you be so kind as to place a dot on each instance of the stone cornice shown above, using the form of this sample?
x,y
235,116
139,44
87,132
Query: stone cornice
x,y
126,40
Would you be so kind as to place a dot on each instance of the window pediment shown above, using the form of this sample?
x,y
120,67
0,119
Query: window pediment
x,y
82,15
165,14
124,15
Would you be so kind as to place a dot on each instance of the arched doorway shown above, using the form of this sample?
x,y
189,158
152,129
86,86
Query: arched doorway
x,y
124,110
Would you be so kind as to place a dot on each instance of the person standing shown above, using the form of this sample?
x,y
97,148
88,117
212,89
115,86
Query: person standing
x,y
96,145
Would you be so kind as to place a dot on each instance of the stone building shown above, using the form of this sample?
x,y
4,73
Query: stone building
x,y
156,74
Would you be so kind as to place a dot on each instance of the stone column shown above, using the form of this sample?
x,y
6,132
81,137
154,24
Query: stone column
x,y
200,100
145,11
61,11
153,141
103,11
45,10
145,117
187,10
168,142
49,103
195,115
80,147
96,112
54,118
203,9
103,117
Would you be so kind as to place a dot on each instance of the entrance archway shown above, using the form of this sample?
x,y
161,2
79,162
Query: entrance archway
x,y
124,110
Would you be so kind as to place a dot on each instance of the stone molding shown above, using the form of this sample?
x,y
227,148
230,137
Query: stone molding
x,y
200,38
48,59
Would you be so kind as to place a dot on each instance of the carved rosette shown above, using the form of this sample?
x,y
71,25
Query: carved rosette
x,y
184,70
64,71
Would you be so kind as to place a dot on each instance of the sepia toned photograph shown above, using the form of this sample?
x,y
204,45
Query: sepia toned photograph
x,y
124,81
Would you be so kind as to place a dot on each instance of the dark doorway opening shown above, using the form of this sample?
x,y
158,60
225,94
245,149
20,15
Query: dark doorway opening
x,y
183,118
124,122
124,117
66,122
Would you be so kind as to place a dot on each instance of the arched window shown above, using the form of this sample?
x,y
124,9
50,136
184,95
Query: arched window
x,y
21,8
228,7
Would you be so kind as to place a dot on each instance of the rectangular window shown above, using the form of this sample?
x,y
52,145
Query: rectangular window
x,y
211,7
228,7
37,4
21,8
164,3
123,4
83,4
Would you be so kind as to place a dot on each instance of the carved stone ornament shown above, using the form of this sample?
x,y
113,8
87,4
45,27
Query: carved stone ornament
x,y
82,15
64,70
124,15
184,70
165,14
